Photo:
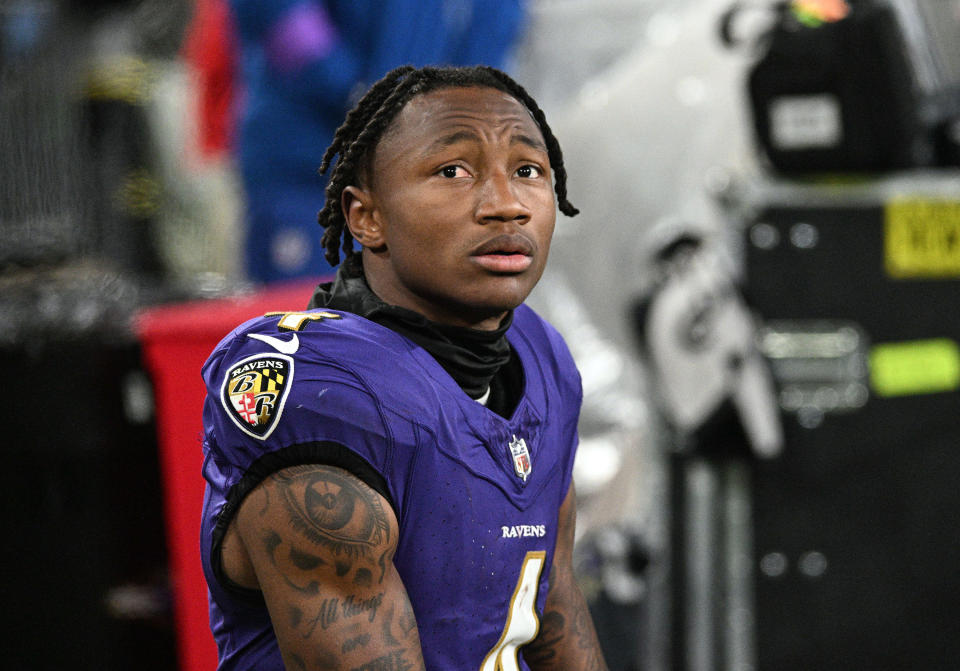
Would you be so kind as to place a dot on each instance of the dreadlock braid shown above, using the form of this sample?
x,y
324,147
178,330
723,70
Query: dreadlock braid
x,y
373,98
374,112
355,141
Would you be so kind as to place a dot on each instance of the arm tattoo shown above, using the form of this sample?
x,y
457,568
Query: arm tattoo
x,y
354,643
587,640
407,620
323,533
362,578
387,623
296,616
395,661
546,651
567,638
332,510
333,611
403,623
290,563
266,502
543,650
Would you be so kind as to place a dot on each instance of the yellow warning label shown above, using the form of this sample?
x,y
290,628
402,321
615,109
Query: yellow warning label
x,y
922,238
915,367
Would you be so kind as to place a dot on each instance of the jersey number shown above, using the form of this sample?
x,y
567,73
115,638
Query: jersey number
x,y
522,622
297,321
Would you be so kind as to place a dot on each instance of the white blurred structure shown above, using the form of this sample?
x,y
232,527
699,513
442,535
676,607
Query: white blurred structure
x,y
650,110
648,133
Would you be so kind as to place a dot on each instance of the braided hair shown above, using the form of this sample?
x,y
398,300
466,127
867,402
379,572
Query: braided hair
x,y
355,140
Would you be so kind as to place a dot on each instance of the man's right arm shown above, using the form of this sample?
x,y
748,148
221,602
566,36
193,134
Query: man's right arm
x,y
319,544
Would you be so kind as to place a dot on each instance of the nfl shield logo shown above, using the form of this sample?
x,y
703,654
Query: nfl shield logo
x,y
521,457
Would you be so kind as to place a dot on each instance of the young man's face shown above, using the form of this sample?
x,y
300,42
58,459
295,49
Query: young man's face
x,y
461,206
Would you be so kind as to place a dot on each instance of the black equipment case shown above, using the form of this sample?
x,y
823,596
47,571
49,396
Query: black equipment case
x,y
877,90
855,537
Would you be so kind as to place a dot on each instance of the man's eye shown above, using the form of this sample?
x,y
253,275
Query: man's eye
x,y
452,171
528,171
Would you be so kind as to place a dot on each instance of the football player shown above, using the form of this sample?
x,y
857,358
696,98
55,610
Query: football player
x,y
389,471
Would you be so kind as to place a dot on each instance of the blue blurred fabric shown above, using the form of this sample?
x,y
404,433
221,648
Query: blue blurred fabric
x,y
303,65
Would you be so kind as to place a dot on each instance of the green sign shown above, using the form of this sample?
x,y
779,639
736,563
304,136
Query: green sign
x,y
915,367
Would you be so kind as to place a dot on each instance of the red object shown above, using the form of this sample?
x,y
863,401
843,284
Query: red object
x,y
210,49
176,340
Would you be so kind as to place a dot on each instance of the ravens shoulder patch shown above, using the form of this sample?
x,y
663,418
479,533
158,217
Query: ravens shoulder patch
x,y
254,391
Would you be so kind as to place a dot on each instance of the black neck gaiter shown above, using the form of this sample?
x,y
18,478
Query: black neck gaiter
x,y
472,357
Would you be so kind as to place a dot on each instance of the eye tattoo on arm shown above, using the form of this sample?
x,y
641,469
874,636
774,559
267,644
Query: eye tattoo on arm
x,y
335,511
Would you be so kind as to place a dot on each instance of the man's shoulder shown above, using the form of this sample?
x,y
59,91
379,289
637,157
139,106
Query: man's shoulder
x,y
541,337
306,377
323,347
311,336
527,321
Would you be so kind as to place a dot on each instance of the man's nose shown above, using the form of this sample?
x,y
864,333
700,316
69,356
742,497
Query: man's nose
x,y
499,200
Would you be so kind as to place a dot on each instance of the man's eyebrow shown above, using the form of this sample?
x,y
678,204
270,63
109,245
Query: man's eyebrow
x,y
532,142
450,139
445,141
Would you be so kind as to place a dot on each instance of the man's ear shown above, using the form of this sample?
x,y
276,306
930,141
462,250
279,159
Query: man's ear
x,y
362,217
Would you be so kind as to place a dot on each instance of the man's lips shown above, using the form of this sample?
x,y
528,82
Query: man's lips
x,y
505,254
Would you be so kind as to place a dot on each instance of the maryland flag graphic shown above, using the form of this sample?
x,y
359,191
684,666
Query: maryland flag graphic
x,y
254,391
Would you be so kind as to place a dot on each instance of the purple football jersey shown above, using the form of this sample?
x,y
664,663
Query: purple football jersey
x,y
476,495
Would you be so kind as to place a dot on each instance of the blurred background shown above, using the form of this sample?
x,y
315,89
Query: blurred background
x,y
760,292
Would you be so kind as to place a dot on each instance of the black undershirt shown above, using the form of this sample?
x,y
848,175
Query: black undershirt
x,y
475,359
